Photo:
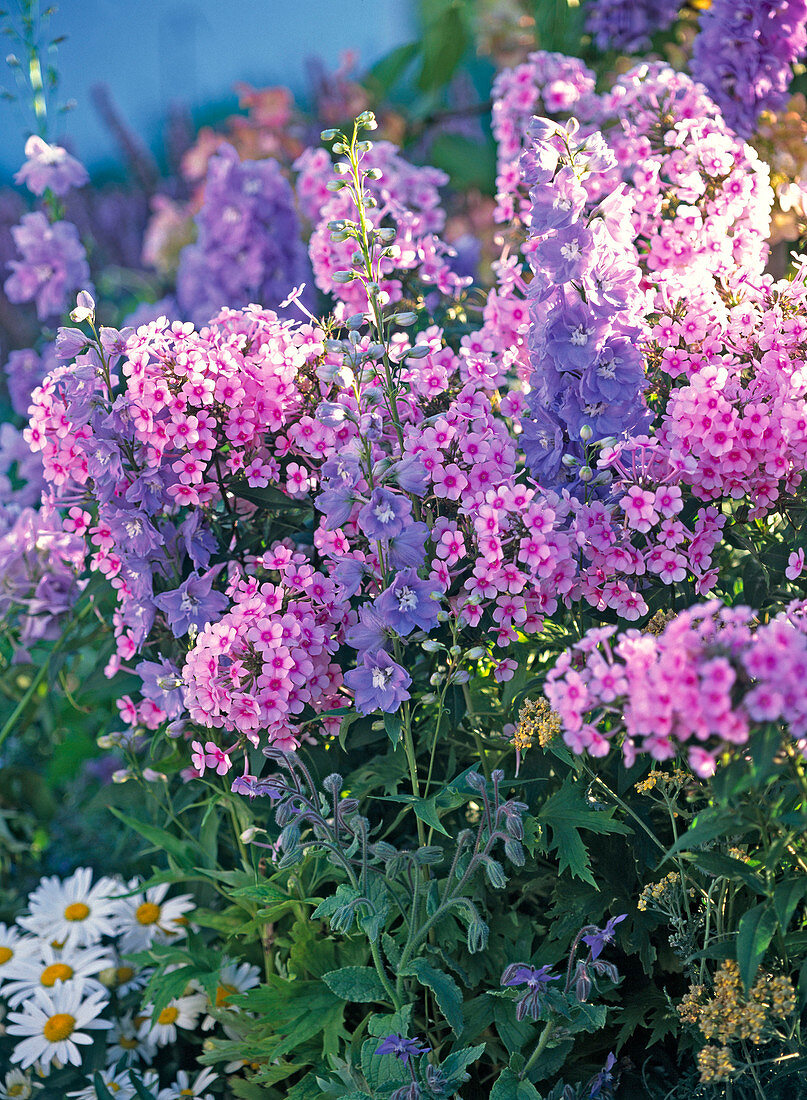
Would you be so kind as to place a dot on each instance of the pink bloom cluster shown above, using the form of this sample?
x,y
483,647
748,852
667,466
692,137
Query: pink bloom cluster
x,y
270,655
736,421
545,84
407,199
705,683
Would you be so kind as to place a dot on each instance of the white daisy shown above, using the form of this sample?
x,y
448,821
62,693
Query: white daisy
x,y
48,967
53,1024
233,978
182,1089
122,977
181,1012
73,913
124,1041
148,917
119,1084
13,947
17,1086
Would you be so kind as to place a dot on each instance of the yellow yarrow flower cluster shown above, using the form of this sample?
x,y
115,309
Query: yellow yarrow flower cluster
x,y
662,895
536,722
731,1016
715,1064
656,624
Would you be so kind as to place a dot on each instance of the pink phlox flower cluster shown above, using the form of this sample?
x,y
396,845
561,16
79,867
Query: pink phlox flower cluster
x,y
270,655
736,421
702,197
544,84
703,684
407,198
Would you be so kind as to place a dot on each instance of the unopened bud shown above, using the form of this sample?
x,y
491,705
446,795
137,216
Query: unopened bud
x,y
419,351
329,135
586,474
122,775
432,646
367,121
567,460
477,652
586,432
249,834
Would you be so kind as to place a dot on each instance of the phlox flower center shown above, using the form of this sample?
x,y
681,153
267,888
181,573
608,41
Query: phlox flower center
x,y
59,1027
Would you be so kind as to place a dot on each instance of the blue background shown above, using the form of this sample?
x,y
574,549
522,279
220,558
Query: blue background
x,y
152,53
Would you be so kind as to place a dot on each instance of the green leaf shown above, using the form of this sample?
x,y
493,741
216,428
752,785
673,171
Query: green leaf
x,y
160,838
754,933
138,1086
269,498
426,810
509,1087
356,983
468,162
393,723
456,1063
565,813
101,1091
715,863
446,991
388,71
705,827
786,897
444,43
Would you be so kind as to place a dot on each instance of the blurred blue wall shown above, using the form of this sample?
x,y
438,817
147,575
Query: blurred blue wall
x,y
155,52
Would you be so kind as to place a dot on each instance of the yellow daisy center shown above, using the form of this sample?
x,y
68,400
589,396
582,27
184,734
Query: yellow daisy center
x,y
168,1015
56,972
77,911
59,1027
112,1086
5,954
223,994
128,1044
147,913
186,1092
18,1090
124,974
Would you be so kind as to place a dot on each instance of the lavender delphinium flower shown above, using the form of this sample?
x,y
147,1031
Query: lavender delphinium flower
x,y
408,603
588,379
194,603
378,684
536,981
249,247
744,55
402,1048
628,24
53,264
385,515
162,683
50,168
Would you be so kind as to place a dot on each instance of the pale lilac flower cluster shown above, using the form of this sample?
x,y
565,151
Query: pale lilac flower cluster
x,y
407,199
701,686
50,168
249,247
744,54
627,25
586,306
53,265
40,573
